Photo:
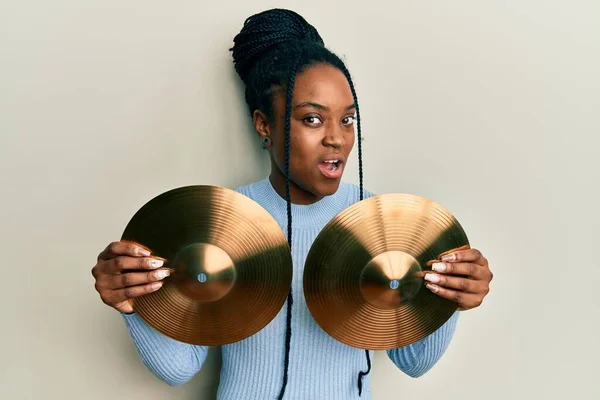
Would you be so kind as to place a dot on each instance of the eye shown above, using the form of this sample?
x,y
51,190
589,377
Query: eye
x,y
312,120
349,120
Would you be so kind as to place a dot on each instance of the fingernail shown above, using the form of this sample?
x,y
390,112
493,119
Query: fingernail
x,y
156,285
156,263
162,274
439,267
433,288
449,257
432,278
144,252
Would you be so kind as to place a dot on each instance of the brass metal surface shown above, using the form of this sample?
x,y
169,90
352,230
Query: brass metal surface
x,y
232,267
363,277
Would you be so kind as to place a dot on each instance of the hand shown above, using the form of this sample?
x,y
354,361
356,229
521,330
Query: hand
x,y
462,276
117,284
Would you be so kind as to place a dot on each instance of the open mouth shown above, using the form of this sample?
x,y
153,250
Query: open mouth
x,y
331,168
332,164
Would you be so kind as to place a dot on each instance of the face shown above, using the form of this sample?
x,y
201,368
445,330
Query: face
x,y
321,135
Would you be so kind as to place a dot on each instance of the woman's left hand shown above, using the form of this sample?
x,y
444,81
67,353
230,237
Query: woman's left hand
x,y
462,276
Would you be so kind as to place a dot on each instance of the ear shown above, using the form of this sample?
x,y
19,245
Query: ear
x,y
261,124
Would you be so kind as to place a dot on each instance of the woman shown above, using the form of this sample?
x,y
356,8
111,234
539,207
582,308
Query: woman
x,y
304,107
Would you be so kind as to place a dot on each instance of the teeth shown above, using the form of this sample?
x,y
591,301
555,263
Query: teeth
x,y
332,161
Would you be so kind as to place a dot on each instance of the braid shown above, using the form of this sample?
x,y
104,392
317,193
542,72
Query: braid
x,y
343,68
270,50
362,374
263,52
288,128
266,30
359,134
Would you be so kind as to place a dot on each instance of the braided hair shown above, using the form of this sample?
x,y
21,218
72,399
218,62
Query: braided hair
x,y
270,50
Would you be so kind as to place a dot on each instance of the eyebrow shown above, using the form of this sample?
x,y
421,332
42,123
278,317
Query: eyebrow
x,y
310,104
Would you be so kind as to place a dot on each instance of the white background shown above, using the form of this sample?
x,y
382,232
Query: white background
x,y
490,108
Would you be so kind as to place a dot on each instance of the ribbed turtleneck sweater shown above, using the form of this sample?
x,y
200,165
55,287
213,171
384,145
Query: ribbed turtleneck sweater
x,y
320,367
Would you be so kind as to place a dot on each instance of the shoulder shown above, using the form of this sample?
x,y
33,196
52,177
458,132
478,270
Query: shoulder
x,y
353,192
249,189
244,189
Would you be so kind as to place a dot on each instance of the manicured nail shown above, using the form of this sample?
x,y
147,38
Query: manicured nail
x,y
439,267
431,287
156,263
432,278
156,285
163,274
449,257
143,252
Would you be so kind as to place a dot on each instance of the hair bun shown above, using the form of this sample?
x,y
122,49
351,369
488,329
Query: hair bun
x,y
263,31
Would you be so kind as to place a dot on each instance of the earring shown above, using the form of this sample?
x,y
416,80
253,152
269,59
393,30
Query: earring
x,y
266,142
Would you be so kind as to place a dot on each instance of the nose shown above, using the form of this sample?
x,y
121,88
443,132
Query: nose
x,y
334,137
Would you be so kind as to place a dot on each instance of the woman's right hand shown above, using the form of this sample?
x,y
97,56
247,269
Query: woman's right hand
x,y
125,271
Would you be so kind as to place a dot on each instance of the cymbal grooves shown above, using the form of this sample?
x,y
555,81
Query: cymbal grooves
x,y
248,235
385,224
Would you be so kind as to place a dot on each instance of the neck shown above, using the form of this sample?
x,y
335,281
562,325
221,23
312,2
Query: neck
x,y
297,194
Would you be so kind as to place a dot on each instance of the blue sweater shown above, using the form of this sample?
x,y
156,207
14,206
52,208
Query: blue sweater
x,y
320,368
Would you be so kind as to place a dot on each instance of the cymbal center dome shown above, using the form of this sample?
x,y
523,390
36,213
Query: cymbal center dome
x,y
203,272
389,280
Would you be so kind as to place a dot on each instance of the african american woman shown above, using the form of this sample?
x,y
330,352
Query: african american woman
x,y
305,110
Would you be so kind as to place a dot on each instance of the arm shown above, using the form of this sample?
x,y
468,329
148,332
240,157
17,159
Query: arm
x,y
173,362
124,271
418,358
462,276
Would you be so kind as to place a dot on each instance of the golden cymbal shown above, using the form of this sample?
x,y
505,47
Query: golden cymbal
x,y
363,277
231,263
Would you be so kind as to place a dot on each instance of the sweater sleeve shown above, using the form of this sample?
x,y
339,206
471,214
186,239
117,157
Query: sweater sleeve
x,y
173,362
418,358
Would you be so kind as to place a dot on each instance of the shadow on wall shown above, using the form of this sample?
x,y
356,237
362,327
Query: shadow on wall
x,y
248,161
205,384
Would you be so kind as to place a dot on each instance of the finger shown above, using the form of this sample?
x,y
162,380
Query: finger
x,y
461,248
118,296
129,279
123,248
448,252
450,282
465,301
470,255
122,263
466,269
